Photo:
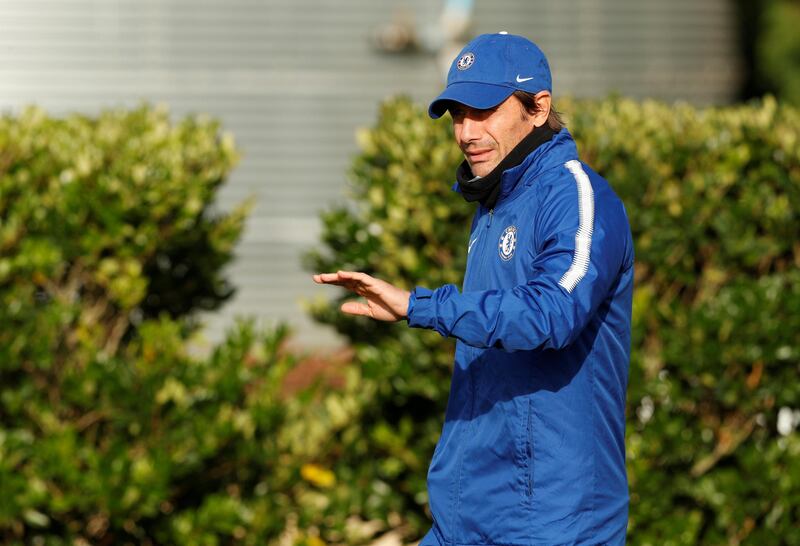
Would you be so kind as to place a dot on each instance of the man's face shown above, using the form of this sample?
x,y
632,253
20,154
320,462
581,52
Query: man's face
x,y
487,136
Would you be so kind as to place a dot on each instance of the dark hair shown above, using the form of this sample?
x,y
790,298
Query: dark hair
x,y
528,101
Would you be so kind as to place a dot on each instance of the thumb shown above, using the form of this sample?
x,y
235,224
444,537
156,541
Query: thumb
x,y
356,308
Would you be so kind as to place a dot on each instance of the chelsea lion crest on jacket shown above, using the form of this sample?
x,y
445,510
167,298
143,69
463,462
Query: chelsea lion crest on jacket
x,y
532,449
508,242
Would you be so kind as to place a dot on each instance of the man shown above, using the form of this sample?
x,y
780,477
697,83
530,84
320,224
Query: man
x,y
532,450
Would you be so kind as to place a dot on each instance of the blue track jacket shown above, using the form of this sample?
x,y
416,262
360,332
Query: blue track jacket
x,y
533,446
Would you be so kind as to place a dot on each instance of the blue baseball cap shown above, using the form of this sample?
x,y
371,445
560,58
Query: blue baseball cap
x,y
489,69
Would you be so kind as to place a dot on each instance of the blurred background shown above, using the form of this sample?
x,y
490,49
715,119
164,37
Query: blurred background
x,y
293,80
170,166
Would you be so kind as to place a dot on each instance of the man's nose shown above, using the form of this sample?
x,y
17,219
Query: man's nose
x,y
470,129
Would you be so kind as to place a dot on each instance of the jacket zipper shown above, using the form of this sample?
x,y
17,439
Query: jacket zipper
x,y
478,261
529,448
483,249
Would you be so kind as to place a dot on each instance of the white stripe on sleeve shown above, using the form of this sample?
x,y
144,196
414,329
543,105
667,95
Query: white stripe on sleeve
x,y
583,237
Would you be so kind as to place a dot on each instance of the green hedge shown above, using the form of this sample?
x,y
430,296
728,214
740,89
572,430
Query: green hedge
x,y
112,429
713,198
777,46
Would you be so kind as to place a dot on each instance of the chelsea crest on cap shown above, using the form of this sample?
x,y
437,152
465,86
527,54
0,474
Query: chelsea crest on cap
x,y
489,69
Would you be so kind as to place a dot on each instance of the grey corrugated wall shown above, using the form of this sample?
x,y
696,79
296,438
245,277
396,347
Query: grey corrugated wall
x,y
293,79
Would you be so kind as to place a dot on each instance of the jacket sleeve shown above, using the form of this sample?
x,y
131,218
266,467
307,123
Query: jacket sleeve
x,y
579,257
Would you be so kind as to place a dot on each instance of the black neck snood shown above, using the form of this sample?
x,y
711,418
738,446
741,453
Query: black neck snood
x,y
487,189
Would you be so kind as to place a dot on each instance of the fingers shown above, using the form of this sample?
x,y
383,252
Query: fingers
x,y
355,277
356,308
326,278
374,290
343,278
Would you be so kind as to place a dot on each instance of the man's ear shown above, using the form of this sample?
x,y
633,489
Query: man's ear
x,y
543,101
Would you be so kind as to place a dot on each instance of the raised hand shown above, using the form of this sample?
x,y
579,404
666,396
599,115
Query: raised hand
x,y
383,301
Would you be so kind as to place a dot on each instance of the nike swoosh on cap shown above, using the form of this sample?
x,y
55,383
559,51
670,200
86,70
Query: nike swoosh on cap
x,y
522,80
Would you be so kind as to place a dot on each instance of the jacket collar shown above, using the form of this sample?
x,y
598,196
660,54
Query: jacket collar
x,y
560,149
554,153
